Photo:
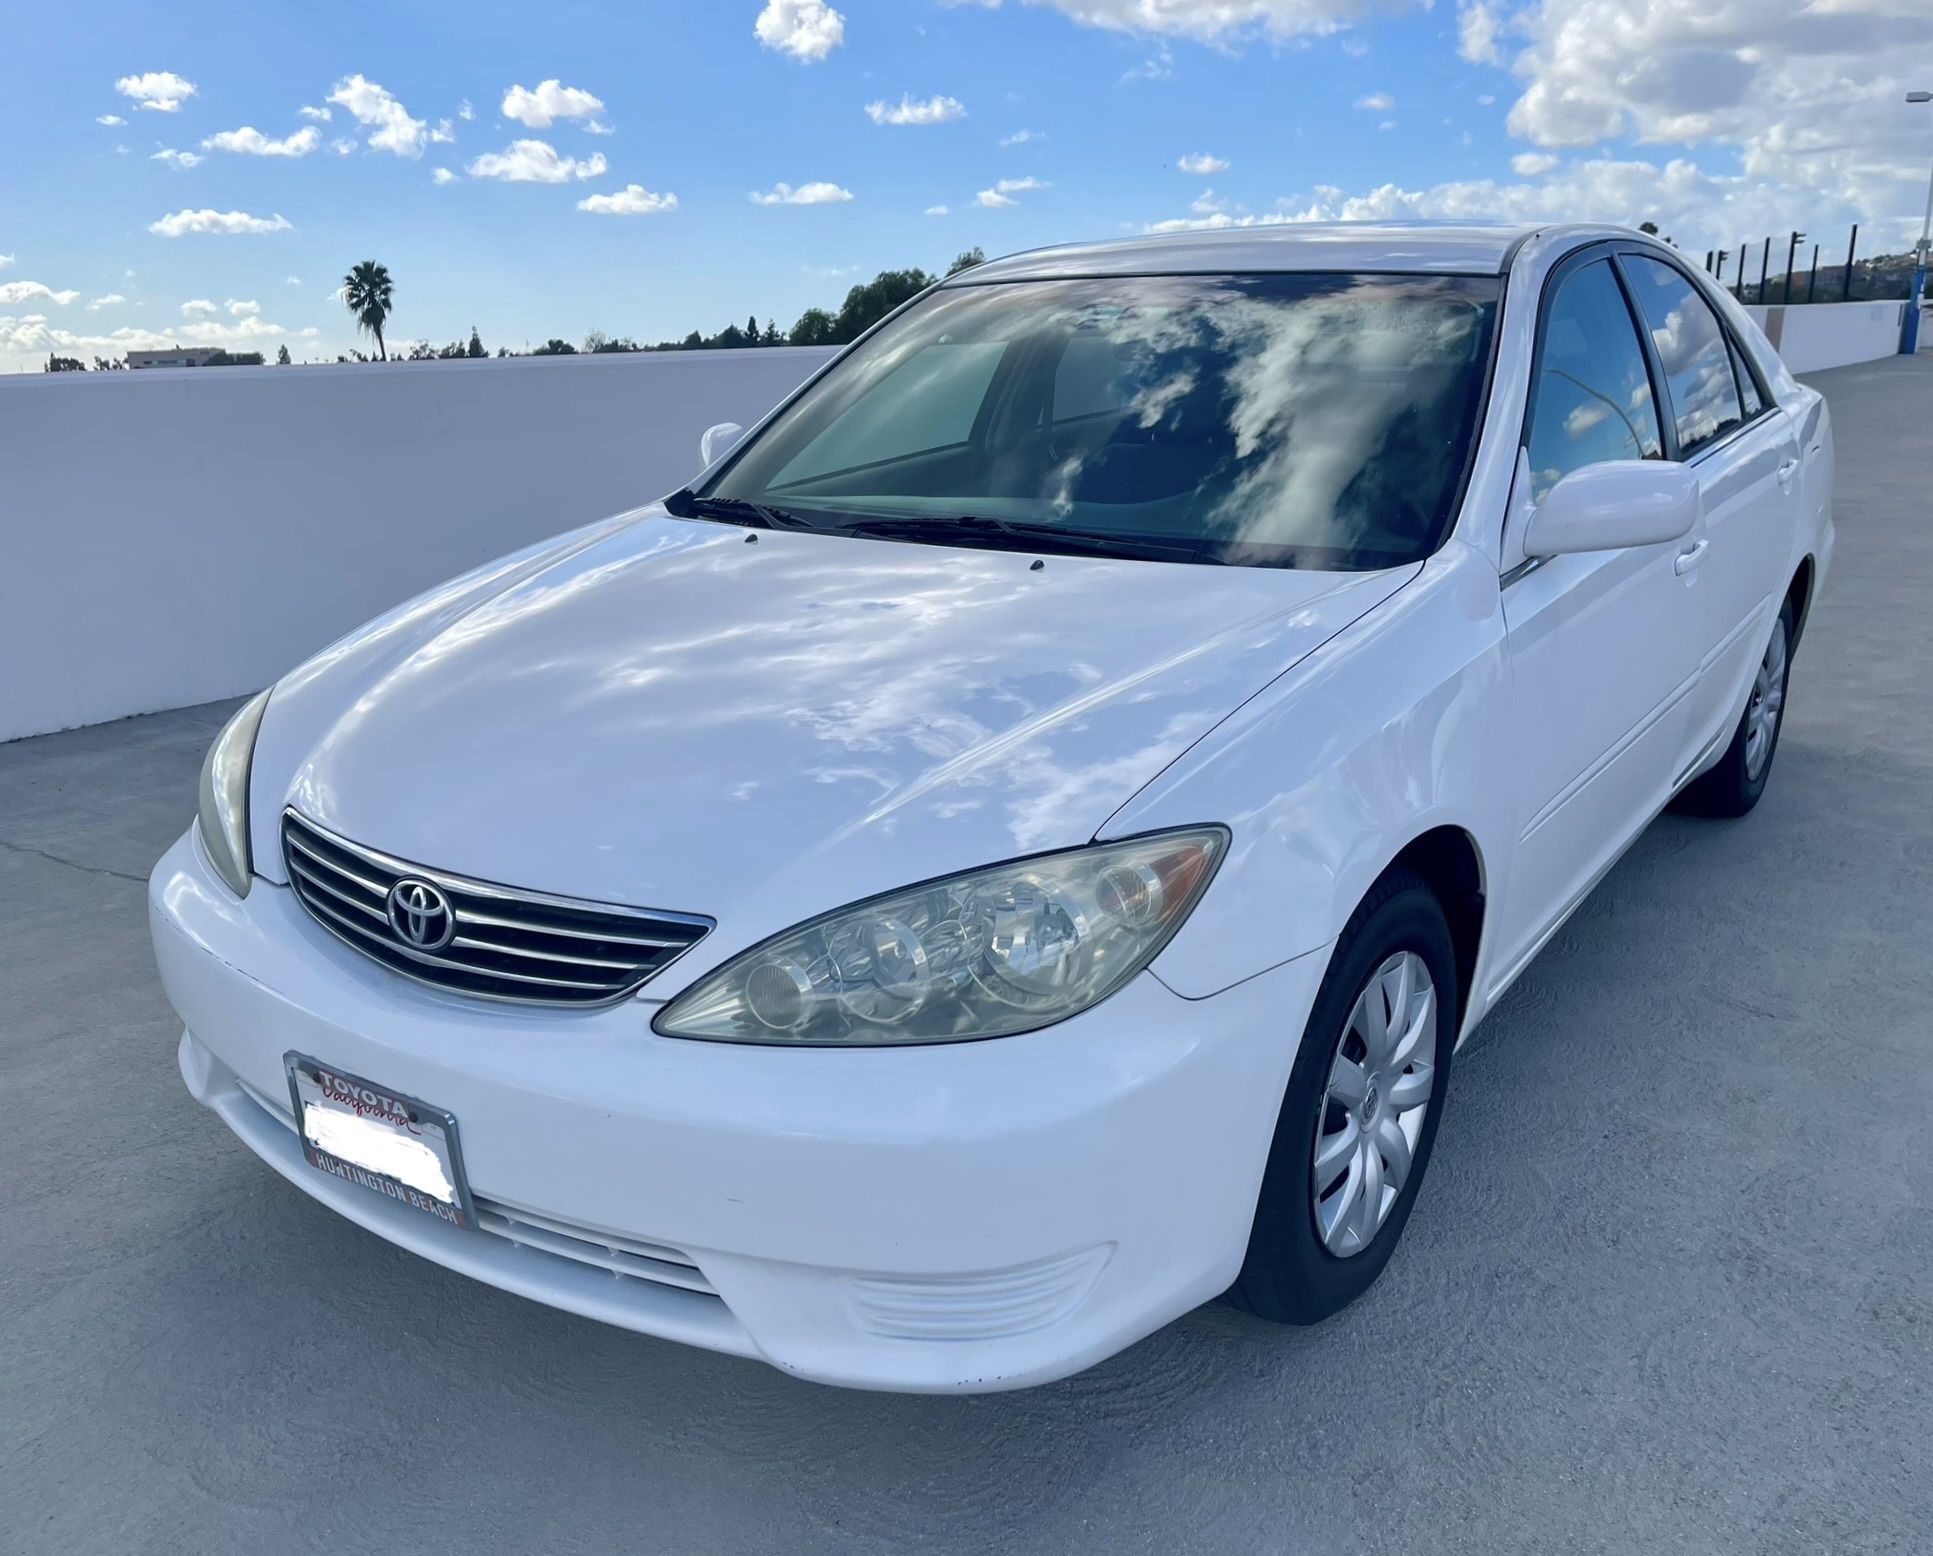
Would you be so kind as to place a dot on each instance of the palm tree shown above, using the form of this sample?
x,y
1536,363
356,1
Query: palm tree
x,y
366,294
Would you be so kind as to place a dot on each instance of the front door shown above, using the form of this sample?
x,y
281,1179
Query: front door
x,y
1604,646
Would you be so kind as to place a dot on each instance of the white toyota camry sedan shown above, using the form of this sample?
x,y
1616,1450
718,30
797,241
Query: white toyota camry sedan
x,y
1009,853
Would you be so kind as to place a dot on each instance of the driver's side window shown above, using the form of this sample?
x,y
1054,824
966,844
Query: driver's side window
x,y
1592,400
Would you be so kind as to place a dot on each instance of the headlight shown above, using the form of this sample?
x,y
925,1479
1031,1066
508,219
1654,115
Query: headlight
x,y
986,954
223,817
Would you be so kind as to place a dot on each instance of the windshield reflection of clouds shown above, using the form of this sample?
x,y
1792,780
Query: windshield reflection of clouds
x,y
1302,413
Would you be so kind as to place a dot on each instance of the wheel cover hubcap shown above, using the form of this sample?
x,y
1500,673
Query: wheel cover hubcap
x,y
1768,697
1380,1079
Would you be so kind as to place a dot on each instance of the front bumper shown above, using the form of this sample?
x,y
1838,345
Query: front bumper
x,y
960,1217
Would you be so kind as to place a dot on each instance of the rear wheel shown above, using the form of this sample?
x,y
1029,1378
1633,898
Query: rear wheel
x,y
1360,1114
1734,785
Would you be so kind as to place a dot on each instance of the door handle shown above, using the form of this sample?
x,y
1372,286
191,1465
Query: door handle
x,y
1689,558
1787,469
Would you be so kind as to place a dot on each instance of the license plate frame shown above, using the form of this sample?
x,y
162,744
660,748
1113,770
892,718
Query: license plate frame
x,y
353,1112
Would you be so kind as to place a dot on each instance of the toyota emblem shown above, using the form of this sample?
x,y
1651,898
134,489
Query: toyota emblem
x,y
420,914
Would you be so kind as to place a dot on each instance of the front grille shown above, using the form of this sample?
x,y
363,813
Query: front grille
x,y
506,945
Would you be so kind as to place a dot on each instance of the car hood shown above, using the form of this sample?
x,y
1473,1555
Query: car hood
x,y
762,725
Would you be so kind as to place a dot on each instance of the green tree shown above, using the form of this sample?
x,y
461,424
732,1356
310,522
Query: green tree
x,y
476,343
555,348
869,302
815,328
281,356
368,294
65,364
967,259
1649,227
771,337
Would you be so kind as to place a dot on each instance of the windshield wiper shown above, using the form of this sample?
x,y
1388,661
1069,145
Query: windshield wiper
x,y
1012,535
685,504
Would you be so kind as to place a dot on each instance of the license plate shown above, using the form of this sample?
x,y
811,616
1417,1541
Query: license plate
x,y
378,1139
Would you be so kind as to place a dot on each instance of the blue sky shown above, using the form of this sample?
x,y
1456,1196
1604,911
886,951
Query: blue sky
x,y
1720,118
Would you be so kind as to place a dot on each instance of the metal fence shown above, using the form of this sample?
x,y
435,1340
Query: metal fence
x,y
1747,273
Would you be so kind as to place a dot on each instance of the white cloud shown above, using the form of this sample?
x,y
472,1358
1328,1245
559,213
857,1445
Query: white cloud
x,y
292,280
808,30
161,90
210,221
1355,46
464,111
939,210
1156,68
631,200
1531,164
320,115
1806,93
536,162
342,145
1214,21
251,142
1002,193
239,308
443,134
806,194
111,300
180,161
935,110
1477,30
1022,137
1376,102
441,176
1488,100
598,127
373,107
1201,164
109,118
199,308
1695,206
551,101
13,292
5,260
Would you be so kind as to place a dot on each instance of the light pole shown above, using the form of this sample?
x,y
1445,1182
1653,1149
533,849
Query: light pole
x,y
1909,336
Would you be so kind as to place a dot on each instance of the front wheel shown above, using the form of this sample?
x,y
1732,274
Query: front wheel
x,y
1734,784
1360,1114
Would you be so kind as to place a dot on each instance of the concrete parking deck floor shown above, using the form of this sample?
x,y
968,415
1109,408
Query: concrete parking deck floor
x,y
1669,1286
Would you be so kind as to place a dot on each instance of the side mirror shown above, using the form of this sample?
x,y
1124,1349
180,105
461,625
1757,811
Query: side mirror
x,y
718,441
1626,502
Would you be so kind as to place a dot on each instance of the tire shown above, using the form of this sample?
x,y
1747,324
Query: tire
x,y
1733,786
1305,1258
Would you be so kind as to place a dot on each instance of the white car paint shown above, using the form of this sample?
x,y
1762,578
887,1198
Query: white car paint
x,y
673,713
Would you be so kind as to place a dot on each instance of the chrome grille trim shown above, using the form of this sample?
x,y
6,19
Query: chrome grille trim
x,y
535,949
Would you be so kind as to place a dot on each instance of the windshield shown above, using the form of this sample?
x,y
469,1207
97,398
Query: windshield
x,y
1320,421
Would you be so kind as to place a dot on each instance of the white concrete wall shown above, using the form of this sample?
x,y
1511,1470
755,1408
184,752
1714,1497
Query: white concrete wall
x,y
172,536
1812,336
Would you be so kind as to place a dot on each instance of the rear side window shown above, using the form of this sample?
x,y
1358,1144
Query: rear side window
x,y
1592,399
1692,347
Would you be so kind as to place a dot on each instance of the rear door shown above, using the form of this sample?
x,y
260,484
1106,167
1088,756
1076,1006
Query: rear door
x,y
1605,645
1722,423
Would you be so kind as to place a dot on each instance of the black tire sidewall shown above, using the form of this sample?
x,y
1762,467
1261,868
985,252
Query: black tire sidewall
x,y
1729,789
1288,1275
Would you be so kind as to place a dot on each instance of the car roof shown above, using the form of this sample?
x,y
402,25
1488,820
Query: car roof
x,y
1424,248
